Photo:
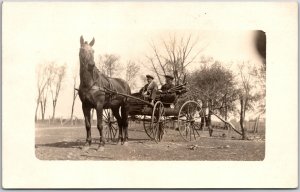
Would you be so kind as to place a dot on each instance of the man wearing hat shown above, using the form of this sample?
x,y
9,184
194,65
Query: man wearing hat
x,y
167,95
169,84
150,89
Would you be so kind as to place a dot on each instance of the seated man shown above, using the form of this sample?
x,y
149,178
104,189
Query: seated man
x,y
150,89
167,94
168,84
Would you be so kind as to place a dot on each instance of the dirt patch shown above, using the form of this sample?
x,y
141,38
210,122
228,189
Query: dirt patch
x,y
64,143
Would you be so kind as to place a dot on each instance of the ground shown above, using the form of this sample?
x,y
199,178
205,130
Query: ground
x,y
64,143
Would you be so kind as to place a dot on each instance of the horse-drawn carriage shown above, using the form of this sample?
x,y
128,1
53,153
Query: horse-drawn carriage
x,y
97,91
181,111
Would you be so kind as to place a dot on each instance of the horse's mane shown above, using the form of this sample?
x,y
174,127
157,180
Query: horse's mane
x,y
99,76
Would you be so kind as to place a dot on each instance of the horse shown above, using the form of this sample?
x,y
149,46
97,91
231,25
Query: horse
x,y
93,95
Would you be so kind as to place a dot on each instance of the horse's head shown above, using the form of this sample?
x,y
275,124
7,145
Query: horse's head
x,y
86,53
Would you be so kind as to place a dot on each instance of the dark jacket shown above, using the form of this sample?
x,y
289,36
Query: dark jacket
x,y
167,97
166,87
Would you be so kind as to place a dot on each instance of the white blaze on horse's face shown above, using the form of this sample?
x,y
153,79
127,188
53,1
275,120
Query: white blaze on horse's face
x,y
86,52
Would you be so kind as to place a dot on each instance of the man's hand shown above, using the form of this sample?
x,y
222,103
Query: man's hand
x,y
145,94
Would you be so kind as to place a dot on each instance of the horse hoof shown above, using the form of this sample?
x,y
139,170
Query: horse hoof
x,y
125,143
119,142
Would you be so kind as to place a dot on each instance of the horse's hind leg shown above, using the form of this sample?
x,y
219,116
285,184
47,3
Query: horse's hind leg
x,y
124,113
119,120
87,116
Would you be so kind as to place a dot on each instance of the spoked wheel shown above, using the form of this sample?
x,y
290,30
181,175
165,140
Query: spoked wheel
x,y
188,120
147,126
154,127
110,125
158,121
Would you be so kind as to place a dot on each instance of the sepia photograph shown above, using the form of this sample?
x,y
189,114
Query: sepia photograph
x,y
172,102
128,84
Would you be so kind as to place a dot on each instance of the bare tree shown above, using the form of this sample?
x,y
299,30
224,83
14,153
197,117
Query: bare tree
x,y
43,101
75,92
259,72
109,64
174,57
246,95
58,73
43,78
132,70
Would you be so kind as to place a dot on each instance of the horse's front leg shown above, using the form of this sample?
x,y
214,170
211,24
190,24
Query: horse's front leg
x,y
100,127
87,116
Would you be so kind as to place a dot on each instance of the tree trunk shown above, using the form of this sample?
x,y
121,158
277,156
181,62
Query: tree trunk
x,y
242,118
226,111
36,110
45,103
226,108
54,106
53,115
73,103
42,110
255,128
72,111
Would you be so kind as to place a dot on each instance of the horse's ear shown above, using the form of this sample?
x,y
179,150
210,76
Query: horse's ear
x,y
92,42
81,40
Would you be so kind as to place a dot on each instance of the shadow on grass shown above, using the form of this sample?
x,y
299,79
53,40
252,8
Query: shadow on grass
x,y
63,144
78,144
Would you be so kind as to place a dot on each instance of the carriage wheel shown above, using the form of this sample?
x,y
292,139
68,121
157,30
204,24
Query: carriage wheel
x,y
189,120
110,125
154,127
147,126
158,121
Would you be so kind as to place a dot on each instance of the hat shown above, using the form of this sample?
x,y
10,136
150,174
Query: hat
x,y
169,76
150,76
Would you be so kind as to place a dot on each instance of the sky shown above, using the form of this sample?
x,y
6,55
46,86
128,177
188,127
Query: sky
x,y
50,33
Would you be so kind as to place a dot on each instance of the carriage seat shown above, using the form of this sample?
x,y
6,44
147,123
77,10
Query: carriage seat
x,y
166,98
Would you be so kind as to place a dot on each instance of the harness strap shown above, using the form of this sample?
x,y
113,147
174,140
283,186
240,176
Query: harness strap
x,y
103,88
